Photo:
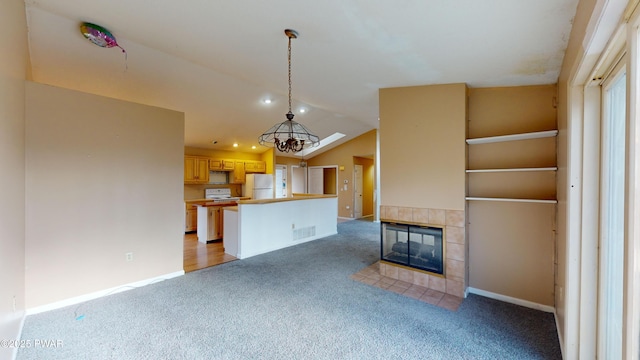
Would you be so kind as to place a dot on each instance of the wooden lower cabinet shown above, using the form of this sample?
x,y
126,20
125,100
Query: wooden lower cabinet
x,y
191,220
210,223
214,231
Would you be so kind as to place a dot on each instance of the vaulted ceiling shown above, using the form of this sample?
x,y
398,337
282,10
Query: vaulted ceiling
x,y
217,61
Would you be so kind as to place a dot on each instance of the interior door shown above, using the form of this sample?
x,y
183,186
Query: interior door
x,y
298,179
280,186
357,191
316,180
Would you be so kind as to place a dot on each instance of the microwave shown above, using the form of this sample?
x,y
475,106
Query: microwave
x,y
218,177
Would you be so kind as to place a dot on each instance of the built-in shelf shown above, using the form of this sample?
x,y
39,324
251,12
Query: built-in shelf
x,y
512,170
513,137
512,200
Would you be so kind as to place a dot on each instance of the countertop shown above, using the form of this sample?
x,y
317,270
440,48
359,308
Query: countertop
x,y
294,198
209,202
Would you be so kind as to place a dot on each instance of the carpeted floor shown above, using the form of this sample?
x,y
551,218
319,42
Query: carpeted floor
x,y
295,303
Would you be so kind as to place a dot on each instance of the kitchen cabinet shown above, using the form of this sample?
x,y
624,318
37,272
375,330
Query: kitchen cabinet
x,y
238,173
210,223
221,164
191,218
196,170
255,167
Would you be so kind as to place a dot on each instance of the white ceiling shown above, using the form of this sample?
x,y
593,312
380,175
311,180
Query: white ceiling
x,y
217,60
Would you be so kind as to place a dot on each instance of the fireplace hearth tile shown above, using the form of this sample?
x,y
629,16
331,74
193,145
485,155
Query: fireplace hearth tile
x,y
455,251
455,268
405,214
450,302
420,216
437,217
455,288
455,218
387,280
406,275
432,297
455,234
391,271
417,292
382,285
437,283
421,279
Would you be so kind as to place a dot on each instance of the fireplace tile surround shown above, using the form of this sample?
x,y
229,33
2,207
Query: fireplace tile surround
x,y
453,282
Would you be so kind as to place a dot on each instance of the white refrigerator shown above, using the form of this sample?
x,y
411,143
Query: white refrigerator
x,y
258,186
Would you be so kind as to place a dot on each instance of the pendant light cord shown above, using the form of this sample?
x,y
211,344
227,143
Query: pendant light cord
x,y
289,60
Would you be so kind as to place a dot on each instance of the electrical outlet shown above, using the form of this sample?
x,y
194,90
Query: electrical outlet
x,y
129,256
293,226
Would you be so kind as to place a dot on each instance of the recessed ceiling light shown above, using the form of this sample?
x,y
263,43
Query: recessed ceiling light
x,y
303,110
235,144
267,101
253,147
214,141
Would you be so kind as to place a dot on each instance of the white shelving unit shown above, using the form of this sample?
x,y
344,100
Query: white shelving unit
x,y
513,137
540,201
512,170
505,138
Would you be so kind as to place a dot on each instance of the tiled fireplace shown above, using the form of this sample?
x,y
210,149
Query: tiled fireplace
x,y
450,279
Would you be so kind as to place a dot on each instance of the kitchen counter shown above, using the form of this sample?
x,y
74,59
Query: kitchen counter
x,y
294,198
211,203
258,226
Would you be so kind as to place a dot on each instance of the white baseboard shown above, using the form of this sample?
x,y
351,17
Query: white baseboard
x,y
512,300
101,293
555,316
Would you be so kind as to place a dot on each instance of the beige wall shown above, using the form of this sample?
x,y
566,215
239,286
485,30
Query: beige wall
x,y
511,249
13,71
422,146
343,155
104,177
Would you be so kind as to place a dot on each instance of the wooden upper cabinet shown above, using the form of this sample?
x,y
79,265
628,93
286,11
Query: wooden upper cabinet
x,y
215,164
255,167
238,173
221,165
196,170
228,165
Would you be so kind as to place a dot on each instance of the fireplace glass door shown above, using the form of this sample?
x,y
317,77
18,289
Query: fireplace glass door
x,y
420,247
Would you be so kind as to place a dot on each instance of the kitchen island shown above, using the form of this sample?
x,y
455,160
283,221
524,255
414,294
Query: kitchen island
x,y
210,220
258,226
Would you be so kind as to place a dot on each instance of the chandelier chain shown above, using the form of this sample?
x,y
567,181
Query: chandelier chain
x,y
289,60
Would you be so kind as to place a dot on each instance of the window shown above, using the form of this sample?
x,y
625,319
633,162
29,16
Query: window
x,y
612,216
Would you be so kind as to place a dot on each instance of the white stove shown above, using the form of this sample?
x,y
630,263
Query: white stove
x,y
220,195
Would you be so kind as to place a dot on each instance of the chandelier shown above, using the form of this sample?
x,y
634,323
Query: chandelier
x,y
289,136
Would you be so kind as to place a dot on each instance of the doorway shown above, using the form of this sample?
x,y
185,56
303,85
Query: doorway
x,y
323,180
298,179
363,187
281,184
